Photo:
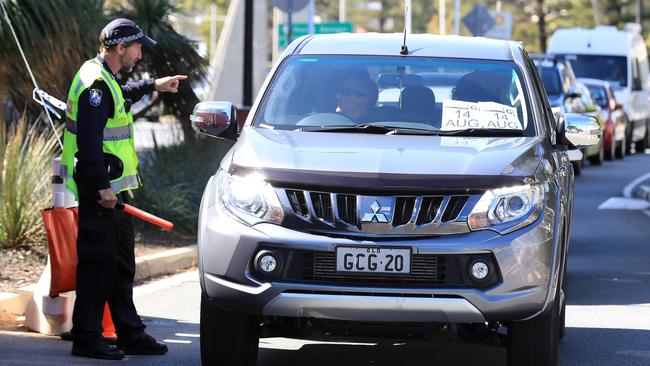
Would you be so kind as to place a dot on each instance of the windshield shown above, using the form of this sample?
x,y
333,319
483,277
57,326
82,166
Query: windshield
x,y
551,80
408,94
609,68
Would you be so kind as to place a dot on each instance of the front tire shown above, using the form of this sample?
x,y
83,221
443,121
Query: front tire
x,y
620,150
611,153
577,167
644,143
534,342
598,158
227,338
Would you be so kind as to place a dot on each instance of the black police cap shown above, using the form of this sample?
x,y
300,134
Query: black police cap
x,y
123,30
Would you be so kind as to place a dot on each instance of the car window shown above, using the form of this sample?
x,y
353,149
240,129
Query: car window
x,y
551,80
609,68
599,94
433,94
547,115
585,95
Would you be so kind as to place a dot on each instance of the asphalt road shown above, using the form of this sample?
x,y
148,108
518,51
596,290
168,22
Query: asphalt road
x,y
608,314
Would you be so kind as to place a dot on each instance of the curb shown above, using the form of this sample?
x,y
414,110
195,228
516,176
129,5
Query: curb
x,y
15,302
638,188
642,191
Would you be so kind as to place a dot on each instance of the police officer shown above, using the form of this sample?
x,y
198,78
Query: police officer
x,y
99,137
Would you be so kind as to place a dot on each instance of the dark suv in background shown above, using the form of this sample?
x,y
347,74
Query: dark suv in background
x,y
382,185
567,95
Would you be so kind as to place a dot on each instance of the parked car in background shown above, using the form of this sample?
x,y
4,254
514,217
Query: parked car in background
x,y
616,129
619,57
377,185
579,100
566,95
557,76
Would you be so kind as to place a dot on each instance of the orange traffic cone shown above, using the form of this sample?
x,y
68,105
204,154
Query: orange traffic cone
x,y
107,324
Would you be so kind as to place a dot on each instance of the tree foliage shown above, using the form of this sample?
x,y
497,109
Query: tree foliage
x,y
174,54
59,35
55,36
379,16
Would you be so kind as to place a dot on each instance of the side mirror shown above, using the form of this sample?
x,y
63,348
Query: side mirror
x,y
580,130
215,119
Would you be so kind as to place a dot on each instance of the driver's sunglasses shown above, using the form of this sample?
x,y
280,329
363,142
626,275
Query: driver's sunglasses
x,y
354,93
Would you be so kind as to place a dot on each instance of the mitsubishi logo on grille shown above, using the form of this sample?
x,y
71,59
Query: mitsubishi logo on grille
x,y
375,215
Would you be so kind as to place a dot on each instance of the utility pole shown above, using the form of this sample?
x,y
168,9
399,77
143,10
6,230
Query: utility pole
x,y
456,17
442,17
248,54
342,8
310,17
596,10
213,28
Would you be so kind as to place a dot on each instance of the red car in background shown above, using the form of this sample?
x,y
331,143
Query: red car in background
x,y
616,132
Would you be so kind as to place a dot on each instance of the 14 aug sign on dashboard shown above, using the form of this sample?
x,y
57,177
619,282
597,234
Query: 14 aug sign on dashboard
x,y
460,115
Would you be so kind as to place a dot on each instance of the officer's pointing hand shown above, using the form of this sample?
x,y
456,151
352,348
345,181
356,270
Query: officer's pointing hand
x,y
169,83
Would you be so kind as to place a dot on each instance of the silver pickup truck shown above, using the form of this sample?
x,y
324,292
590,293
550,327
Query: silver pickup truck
x,y
378,182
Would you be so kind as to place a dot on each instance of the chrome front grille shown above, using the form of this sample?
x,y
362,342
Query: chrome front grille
x,y
381,215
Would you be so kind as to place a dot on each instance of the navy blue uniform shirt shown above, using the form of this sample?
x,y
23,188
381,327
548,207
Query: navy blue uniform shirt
x,y
95,107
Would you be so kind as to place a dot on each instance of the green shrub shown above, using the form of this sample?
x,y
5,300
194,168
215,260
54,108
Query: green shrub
x,y
25,168
174,178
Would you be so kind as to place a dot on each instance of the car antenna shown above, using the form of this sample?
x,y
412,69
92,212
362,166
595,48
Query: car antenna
x,y
404,50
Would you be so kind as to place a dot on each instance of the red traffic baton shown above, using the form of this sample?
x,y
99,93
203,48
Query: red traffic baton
x,y
146,216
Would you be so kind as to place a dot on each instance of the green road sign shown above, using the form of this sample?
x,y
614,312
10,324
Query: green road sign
x,y
300,29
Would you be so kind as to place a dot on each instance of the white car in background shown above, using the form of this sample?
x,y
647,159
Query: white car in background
x,y
619,57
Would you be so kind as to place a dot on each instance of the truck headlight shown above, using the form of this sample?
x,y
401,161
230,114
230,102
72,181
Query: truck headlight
x,y
249,198
507,209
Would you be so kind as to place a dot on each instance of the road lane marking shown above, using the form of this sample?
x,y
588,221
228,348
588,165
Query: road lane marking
x,y
176,341
292,344
622,203
636,316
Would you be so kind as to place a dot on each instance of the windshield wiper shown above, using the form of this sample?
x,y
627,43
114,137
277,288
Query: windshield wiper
x,y
483,132
368,128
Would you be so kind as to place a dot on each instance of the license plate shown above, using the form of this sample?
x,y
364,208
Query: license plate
x,y
373,260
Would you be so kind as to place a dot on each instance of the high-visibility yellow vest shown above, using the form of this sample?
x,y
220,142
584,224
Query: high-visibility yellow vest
x,y
118,133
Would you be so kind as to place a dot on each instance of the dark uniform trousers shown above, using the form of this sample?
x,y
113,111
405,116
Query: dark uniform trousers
x,y
105,270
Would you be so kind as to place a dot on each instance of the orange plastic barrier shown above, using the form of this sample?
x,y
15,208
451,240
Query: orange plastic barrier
x,y
61,229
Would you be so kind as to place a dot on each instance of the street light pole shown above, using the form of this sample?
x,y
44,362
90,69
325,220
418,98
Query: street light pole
x,y
442,17
248,53
341,11
310,17
456,17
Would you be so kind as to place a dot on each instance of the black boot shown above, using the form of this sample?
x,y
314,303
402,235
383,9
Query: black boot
x,y
99,349
144,344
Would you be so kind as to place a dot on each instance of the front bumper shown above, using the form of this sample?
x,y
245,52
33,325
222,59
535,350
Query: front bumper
x,y
526,260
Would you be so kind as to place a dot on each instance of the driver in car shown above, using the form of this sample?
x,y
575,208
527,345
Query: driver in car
x,y
356,97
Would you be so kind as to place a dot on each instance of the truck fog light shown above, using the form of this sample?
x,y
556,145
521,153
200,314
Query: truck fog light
x,y
266,262
480,270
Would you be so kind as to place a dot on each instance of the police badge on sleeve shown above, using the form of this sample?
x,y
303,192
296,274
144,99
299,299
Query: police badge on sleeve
x,y
95,97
